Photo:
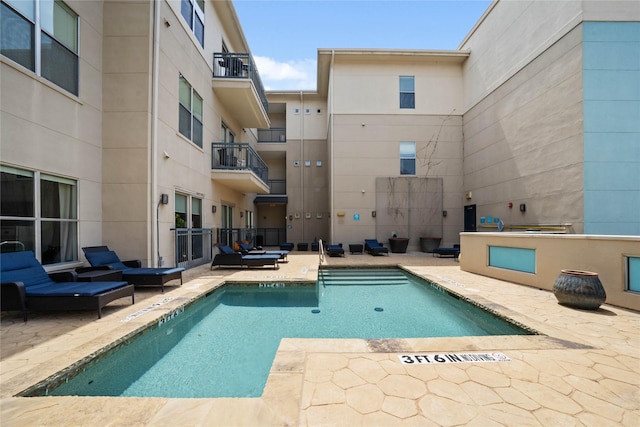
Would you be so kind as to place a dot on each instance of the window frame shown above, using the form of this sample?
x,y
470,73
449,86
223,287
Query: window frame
x,y
196,124
40,222
38,54
196,16
405,102
406,157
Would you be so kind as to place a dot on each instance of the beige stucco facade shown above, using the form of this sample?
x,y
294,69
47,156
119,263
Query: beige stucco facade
x,y
497,123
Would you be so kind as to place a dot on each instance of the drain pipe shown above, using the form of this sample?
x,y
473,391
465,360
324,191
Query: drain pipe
x,y
302,163
331,162
154,129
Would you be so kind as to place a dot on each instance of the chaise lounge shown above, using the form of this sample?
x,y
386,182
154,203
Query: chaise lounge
x,y
101,257
247,249
27,286
373,247
229,258
335,250
448,252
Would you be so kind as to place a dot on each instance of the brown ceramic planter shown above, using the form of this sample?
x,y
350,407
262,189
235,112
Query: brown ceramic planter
x,y
579,289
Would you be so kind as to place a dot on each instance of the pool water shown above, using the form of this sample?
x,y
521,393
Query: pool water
x,y
224,344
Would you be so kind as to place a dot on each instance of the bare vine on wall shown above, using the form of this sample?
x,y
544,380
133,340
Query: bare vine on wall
x,y
425,154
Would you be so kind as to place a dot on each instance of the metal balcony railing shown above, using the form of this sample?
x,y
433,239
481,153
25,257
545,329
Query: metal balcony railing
x,y
239,66
272,135
193,246
277,186
236,156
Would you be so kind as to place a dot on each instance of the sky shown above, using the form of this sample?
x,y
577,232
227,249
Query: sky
x,y
284,35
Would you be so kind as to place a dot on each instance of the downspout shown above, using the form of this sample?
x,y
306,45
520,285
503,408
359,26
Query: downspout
x,y
331,162
302,162
157,259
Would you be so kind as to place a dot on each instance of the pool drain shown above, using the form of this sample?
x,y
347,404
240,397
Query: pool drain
x,y
379,309
315,311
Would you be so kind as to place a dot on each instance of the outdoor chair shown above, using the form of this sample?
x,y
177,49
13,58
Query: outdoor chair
x,y
373,247
101,257
27,286
230,258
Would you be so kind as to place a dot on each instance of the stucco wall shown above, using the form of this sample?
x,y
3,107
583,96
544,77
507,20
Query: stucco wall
x,y
45,128
524,142
604,255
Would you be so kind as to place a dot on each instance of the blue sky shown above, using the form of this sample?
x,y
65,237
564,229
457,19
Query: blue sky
x,y
284,35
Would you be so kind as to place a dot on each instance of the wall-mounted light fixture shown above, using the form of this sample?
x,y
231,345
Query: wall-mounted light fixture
x,y
241,214
444,213
523,207
373,214
164,199
340,214
213,209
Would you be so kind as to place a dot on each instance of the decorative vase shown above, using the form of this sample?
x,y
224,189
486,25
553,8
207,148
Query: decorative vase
x,y
428,244
398,245
579,289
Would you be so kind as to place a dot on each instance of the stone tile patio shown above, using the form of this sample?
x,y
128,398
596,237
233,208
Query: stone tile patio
x,y
583,370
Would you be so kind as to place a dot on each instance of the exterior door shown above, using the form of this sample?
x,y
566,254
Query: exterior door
x,y
470,218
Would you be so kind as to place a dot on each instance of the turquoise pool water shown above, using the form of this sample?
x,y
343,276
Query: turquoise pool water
x,y
224,344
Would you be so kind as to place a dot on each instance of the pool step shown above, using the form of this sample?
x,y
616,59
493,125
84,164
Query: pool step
x,y
361,277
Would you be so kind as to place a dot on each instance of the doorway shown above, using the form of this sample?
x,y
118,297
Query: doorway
x,y
470,218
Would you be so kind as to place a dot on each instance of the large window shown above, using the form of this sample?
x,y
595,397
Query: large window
x,y
38,212
42,35
407,92
407,158
188,214
190,112
193,12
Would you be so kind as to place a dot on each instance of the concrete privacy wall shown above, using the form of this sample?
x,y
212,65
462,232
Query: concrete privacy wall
x,y
605,255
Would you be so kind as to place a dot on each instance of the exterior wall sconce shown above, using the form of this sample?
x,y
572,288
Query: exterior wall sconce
x,y
373,214
444,213
241,214
340,214
164,199
213,208
523,207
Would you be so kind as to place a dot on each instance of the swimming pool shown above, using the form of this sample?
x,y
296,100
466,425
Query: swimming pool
x,y
224,344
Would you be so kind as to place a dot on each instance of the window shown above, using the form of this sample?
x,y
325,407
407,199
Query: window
x,y
38,212
407,158
193,12
45,42
407,92
190,112
188,214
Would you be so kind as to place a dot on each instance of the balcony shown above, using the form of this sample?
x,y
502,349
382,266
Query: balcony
x,y
277,193
277,135
239,167
237,84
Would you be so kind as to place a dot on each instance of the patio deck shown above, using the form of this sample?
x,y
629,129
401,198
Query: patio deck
x,y
583,370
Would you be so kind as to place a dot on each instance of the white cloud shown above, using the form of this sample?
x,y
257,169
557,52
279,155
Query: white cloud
x,y
290,75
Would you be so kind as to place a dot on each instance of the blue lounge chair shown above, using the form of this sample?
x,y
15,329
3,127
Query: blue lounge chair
x,y
448,252
228,257
373,247
287,246
27,286
335,250
247,249
132,271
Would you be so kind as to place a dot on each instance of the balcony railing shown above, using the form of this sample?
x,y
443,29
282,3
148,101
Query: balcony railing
x,y
277,186
239,66
193,246
255,236
236,156
272,135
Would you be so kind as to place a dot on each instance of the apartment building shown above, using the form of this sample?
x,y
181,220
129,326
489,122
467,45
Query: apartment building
x,y
144,125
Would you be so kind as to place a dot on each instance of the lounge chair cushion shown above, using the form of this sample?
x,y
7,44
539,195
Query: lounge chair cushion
x,y
226,250
108,258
